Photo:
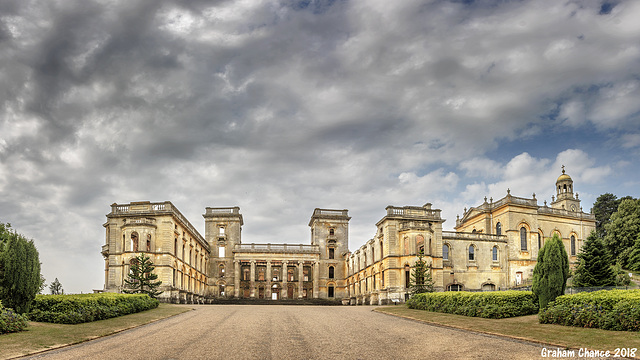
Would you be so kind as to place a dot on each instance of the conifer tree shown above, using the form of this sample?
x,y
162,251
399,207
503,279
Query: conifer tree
x,y
56,287
20,277
551,272
141,278
421,281
594,264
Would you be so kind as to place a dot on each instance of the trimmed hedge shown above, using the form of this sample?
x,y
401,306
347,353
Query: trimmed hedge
x,y
10,321
75,309
492,305
605,309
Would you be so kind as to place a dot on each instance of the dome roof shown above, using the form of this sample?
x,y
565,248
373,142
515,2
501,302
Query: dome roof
x,y
563,176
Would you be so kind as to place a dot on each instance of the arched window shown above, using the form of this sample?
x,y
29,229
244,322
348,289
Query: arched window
x,y
498,229
420,244
381,250
290,275
261,274
331,272
523,239
445,252
495,253
276,275
134,241
472,253
175,247
246,274
539,241
148,242
573,245
373,254
221,270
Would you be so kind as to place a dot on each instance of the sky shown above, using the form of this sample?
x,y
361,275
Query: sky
x,y
280,107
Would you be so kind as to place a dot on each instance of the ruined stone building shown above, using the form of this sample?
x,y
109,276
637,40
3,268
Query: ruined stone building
x,y
495,246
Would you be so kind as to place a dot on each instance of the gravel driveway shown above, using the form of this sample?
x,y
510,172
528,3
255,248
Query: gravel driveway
x,y
293,332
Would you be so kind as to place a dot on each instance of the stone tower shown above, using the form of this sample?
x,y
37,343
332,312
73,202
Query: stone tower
x,y
330,231
564,194
223,228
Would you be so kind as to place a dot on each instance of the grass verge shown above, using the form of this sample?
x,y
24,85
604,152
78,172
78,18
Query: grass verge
x,y
526,328
43,336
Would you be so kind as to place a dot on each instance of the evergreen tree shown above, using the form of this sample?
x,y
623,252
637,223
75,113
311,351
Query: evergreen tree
x,y
622,231
603,208
421,281
551,272
622,276
20,277
594,264
56,287
141,277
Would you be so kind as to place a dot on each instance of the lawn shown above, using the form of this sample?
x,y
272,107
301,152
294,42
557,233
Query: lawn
x,y
42,336
526,328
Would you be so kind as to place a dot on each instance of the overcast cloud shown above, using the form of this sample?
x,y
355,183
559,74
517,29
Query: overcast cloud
x,y
280,107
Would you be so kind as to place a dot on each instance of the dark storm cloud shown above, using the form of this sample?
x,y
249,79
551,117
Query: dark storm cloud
x,y
284,106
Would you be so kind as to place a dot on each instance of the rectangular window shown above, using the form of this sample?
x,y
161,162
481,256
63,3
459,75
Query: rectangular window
x,y
221,251
331,253
221,231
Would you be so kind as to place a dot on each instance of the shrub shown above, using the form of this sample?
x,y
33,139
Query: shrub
x,y
75,309
608,310
493,305
10,321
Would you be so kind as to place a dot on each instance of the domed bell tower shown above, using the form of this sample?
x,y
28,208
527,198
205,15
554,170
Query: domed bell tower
x,y
564,194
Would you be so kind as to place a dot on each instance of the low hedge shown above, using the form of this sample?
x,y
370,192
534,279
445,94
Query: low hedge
x,y
492,305
10,321
605,309
75,309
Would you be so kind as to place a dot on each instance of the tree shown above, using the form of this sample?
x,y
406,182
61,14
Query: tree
x,y
551,272
20,277
421,281
56,287
622,231
622,276
605,205
141,277
634,255
594,264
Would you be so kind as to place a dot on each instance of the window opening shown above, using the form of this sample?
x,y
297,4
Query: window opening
x,y
472,255
445,252
523,239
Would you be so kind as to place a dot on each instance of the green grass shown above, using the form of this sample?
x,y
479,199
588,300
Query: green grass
x,y
526,328
41,336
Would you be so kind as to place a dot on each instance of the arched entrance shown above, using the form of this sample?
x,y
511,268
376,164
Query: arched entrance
x,y
275,292
290,292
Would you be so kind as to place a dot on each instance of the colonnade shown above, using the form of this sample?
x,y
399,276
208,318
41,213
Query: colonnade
x,y
282,279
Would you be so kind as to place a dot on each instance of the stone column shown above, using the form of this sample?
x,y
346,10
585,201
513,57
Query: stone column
x,y
316,280
253,279
300,279
268,275
236,278
285,273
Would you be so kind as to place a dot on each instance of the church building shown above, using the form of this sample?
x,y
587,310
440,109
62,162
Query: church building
x,y
494,246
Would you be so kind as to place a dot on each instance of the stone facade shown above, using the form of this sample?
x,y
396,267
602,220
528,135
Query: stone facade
x,y
193,268
495,246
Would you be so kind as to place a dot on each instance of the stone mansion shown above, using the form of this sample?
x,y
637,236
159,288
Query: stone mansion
x,y
494,246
